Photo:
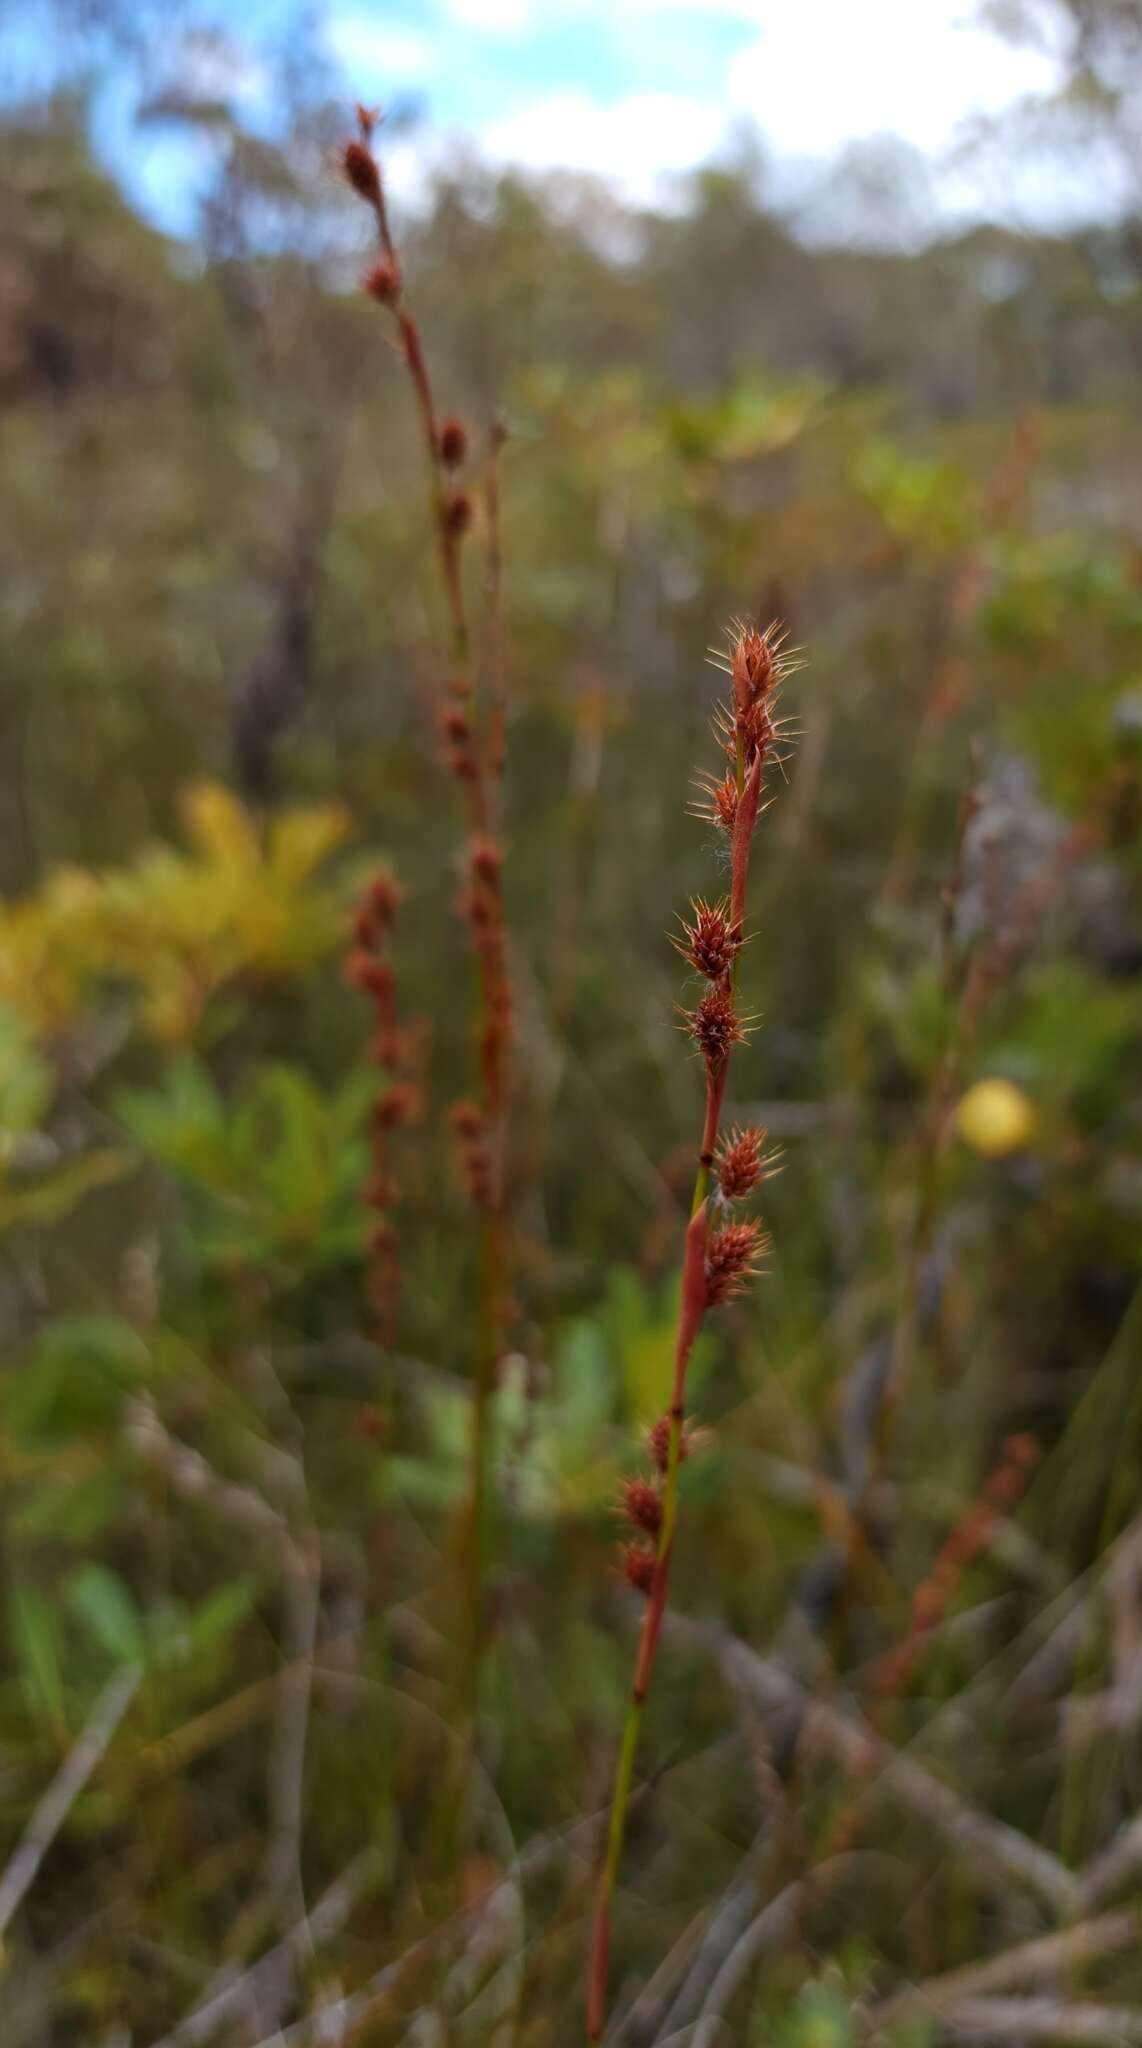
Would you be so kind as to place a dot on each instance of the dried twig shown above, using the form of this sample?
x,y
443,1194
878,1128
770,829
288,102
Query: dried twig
x,y
994,1847
1049,1955
271,1980
65,1789
1048,2019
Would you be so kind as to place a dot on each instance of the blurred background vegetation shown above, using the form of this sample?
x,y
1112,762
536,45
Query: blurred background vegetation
x,y
231,1528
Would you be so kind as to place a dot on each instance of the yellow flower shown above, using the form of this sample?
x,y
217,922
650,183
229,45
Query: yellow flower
x,y
995,1118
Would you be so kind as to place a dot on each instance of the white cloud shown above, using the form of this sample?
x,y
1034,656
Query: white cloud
x,y
501,17
826,72
813,75
634,142
377,53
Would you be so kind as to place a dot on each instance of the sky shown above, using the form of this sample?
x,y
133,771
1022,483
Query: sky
x,y
641,91
638,91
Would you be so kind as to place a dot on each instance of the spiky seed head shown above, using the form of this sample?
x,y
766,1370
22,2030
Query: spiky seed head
x,y
384,899
743,1163
753,667
710,942
359,166
718,801
642,1505
456,513
658,1442
714,1026
732,1256
382,283
638,1566
399,1104
487,860
453,443
467,1120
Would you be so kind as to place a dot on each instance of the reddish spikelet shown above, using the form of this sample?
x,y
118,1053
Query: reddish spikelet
x,y
385,896
470,1126
742,1162
638,1566
753,667
718,801
732,1255
359,166
658,1442
456,514
710,942
383,283
642,1505
394,1050
400,1104
746,725
453,443
467,1120
372,976
714,1026
486,859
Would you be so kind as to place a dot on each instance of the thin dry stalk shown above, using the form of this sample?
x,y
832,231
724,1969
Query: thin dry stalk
x,y
718,1255
81,1760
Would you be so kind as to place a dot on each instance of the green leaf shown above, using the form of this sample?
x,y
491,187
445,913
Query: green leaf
x,y
35,1638
48,1201
98,1597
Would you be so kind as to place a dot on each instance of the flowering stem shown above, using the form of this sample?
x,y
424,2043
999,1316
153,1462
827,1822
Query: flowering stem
x,y
478,760
714,1263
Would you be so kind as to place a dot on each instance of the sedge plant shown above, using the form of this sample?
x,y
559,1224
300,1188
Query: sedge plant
x,y
722,1249
473,739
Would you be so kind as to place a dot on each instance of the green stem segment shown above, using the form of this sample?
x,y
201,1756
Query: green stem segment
x,y
691,1311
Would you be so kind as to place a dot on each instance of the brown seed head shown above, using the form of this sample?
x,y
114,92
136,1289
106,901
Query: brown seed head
x,y
731,1257
638,1566
658,1442
384,899
718,801
382,283
642,1505
399,1104
753,668
456,513
710,942
487,860
714,1026
742,1163
373,976
455,725
360,169
467,1120
453,443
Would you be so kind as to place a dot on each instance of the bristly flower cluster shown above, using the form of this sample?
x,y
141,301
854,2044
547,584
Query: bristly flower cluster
x,y
746,724
640,1503
396,1050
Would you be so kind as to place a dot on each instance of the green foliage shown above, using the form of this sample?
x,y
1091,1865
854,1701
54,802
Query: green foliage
x,y
275,1174
218,569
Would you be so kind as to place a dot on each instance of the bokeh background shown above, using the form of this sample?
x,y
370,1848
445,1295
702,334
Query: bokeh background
x,y
829,315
